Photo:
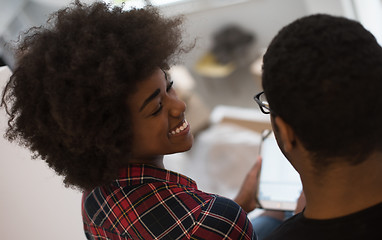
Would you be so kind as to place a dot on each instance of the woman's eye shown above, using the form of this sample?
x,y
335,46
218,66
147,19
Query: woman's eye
x,y
160,104
158,110
169,86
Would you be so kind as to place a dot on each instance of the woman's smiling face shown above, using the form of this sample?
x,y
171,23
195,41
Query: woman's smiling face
x,y
158,120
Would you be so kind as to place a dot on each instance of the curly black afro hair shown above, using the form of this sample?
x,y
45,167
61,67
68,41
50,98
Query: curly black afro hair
x,y
323,75
67,97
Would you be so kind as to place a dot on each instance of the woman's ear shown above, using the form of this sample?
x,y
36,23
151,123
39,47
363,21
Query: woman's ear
x,y
285,134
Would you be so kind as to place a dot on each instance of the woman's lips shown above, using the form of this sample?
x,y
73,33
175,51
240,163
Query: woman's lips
x,y
182,127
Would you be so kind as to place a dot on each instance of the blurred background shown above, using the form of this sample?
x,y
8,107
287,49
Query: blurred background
x,y
217,80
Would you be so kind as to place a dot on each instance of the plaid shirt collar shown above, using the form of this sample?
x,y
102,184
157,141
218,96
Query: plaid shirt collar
x,y
136,174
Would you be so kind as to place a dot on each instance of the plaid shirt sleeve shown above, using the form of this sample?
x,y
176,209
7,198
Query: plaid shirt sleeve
x,y
222,219
162,210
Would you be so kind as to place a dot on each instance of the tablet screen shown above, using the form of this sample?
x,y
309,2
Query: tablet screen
x,y
280,184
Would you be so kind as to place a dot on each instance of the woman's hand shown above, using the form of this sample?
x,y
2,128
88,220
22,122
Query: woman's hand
x,y
246,197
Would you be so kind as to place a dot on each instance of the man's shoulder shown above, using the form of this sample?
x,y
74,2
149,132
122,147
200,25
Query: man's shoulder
x,y
359,225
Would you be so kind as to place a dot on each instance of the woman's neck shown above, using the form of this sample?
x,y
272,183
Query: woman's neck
x,y
156,161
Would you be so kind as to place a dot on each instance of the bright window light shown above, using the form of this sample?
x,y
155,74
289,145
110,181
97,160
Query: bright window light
x,y
189,5
166,2
128,4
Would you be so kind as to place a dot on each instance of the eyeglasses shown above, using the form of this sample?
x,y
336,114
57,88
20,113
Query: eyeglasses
x,y
263,103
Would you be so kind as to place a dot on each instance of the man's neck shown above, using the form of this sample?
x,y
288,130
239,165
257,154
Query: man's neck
x,y
343,189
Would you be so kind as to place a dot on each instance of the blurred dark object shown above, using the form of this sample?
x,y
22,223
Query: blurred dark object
x,y
230,50
2,63
231,43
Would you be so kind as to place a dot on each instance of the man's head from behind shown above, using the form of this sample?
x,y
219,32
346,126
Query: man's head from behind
x,y
323,76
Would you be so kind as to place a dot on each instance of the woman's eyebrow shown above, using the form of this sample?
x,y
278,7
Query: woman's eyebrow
x,y
149,99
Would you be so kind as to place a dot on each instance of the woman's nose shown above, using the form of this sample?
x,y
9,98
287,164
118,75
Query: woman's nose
x,y
178,107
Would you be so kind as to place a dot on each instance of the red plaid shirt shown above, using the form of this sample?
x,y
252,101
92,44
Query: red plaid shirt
x,y
152,203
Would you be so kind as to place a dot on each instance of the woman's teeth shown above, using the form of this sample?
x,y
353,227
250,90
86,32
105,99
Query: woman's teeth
x,y
180,129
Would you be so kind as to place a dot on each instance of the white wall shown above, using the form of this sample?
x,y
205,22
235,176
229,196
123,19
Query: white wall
x,y
369,14
8,11
34,204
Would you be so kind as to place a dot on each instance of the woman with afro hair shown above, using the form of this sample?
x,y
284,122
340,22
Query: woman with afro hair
x,y
90,95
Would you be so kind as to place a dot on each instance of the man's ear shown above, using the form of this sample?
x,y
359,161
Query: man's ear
x,y
285,133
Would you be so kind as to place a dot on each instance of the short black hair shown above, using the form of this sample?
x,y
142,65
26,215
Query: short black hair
x,y
322,75
67,98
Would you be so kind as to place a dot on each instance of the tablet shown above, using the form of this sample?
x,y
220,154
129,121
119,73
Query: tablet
x,y
279,183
